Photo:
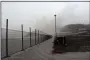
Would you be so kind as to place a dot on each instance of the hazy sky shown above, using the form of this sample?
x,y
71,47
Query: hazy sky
x,y
40,15
46,0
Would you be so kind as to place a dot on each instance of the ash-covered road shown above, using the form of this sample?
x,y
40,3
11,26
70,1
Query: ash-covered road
x,y
43,52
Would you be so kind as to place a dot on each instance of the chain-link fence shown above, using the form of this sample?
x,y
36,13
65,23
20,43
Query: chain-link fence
x,y
13,41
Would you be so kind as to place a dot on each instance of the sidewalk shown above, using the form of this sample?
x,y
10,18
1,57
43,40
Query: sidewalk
x,y
43,52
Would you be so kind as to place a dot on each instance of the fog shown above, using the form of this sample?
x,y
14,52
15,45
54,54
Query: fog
x,y
40,15
47,0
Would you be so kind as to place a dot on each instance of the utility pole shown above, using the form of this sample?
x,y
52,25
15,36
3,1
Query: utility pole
x,y
22,37
55,25
7,38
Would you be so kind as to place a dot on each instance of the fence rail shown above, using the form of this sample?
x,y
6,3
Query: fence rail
x,y
14,41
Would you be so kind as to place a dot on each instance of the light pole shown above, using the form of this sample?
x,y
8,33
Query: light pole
x,y
55,25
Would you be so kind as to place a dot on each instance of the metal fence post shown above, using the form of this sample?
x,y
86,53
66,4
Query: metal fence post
x,y
38,36
41,38
7,38
22,37
30,37
35,36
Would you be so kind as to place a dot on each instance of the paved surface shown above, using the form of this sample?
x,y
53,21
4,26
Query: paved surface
x,y
43,52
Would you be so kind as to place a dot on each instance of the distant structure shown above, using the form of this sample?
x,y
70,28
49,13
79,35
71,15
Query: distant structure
x,y
55,25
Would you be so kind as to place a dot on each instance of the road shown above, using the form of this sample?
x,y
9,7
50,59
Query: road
x,y
43,52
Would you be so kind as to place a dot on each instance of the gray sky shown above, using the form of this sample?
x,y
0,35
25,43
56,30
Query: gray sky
x,y
46,0
40,15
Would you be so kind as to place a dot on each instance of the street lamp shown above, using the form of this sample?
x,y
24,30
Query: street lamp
x,y
55,25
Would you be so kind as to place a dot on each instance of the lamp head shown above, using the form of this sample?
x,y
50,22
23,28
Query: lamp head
x,y
55,15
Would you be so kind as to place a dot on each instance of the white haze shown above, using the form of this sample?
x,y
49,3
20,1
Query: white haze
x,y
46,0
40,15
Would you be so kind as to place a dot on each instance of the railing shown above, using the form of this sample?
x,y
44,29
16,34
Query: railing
x,y
13,41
